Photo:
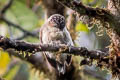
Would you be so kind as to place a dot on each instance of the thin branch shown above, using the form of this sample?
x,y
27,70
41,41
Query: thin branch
x,y
7,43
6,7
19,27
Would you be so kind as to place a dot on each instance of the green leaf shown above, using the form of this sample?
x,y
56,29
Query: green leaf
x,y
82,27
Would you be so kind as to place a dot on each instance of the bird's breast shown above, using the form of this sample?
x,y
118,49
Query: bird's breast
x,y
52,35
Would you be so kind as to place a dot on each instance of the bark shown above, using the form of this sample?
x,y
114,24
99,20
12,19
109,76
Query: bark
x,y
6,43
114,7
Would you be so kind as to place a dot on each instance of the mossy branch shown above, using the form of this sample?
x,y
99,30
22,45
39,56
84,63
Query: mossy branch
x,y
6,43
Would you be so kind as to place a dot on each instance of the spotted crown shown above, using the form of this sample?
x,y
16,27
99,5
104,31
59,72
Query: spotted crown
x,y
57,19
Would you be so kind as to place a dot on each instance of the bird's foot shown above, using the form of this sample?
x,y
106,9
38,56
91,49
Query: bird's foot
x,y
62,49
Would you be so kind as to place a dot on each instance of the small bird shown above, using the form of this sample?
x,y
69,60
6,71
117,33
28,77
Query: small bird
x,y
54,31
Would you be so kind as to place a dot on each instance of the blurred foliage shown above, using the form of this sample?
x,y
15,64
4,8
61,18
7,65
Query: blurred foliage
x,y
3,30
21,13
4,61
81,27
11,73
95,3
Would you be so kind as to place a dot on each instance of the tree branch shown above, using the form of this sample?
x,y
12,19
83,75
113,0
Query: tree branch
x,y
85,10
7,43
103,15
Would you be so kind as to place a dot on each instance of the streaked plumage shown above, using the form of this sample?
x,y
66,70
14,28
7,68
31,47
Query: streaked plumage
x,y
55,32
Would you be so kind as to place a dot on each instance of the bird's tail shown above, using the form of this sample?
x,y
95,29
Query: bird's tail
x,y
61,68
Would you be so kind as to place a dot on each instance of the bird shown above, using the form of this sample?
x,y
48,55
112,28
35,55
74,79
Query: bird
x,y
54,31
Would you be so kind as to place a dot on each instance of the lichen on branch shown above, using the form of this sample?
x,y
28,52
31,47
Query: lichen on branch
x,y
18,45
101,14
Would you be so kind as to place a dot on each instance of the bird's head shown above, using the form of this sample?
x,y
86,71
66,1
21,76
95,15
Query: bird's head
x,y
57,21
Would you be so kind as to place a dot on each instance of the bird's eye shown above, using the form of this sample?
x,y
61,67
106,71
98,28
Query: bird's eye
x,y
56,26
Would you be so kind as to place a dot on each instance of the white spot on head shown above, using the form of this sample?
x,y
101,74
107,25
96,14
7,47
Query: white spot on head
x,y
58,20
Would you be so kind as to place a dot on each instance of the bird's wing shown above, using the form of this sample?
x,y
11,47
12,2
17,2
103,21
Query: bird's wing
x,y
69,43
68,37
